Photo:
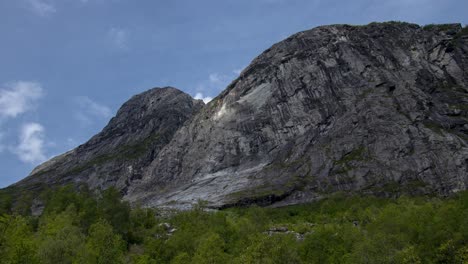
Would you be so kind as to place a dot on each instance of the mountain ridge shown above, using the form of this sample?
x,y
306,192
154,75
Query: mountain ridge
x,y
149,124
376,108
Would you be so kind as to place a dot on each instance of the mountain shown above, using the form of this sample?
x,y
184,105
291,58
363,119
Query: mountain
x,y
118,155
378,109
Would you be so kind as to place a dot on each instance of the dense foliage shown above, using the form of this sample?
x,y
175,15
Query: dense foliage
x,y
80,227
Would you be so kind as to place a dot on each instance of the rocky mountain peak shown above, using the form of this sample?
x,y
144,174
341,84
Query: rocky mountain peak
x,y
131,140
377,109
335,108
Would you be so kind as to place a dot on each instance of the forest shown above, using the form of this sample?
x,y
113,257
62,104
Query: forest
x,y
80,226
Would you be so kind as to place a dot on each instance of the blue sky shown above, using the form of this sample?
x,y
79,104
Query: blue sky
x,y
67,65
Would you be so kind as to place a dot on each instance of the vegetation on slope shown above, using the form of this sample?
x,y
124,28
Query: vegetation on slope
x,y
80,227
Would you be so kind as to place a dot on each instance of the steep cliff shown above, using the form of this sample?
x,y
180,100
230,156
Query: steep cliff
x,y
119,153
378,109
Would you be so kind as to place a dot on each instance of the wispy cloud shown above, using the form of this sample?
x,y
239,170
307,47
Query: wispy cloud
x,y
41,7
213,84
31,144
118,37
89,110
216,78
206,99
71,142
237,71
19,97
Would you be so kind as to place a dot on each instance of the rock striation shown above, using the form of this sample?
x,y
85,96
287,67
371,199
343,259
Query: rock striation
x,y
379,109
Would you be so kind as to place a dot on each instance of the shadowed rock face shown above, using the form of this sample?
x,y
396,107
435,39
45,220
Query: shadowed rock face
x,y
132,139
378,109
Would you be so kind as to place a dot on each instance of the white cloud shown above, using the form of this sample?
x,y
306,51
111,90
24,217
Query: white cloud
x,y
88,110
119,37
19,97
215,83
237,71
31,144
221,79
41,7
206,99
215,77
71,142
93,107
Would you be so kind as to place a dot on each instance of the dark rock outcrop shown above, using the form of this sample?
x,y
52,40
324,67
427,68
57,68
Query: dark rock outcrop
x,y
128,144
378,109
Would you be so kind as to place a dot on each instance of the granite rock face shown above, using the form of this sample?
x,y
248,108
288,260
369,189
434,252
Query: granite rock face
x,y
119,153
380,109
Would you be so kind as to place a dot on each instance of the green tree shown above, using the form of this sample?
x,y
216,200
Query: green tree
x,y
447,252
144,259
5,202
182,258
408,256
60,240
281,248
211,250
102,246
23,204
142,223
115,211
330,243
17,244
462,255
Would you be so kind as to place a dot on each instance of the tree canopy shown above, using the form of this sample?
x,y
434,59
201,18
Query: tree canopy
x,y
80,226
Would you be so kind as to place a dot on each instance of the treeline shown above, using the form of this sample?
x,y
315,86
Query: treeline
x,y
82,227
